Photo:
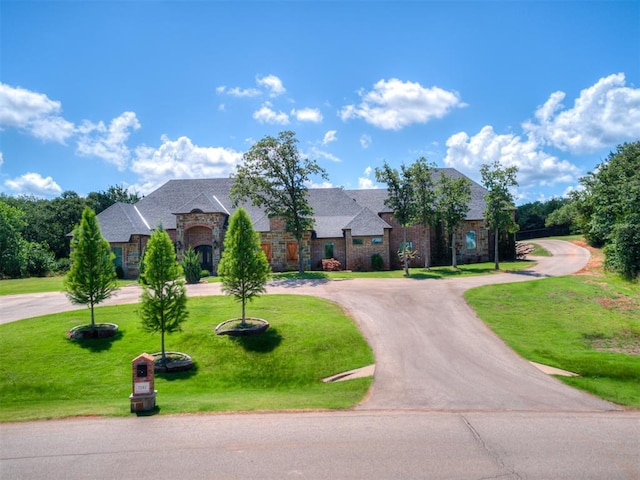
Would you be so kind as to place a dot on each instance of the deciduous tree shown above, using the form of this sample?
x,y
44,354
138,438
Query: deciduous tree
x,y
400,199
244,267
425,201
274,175
499,205
453,197
164,298
92,276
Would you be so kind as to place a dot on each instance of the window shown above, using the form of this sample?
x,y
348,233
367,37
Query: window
x,y
470,240
133,258
292,251
357,241
266,248
376,241
328,250
117,251
404,246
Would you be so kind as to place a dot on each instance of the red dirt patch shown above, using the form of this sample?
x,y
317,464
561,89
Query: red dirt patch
x,y
596,260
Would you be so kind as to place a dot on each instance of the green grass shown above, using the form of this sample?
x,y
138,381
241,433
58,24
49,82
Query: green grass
x,y
19,286
415,273
45,375
54,284
584,324
538,250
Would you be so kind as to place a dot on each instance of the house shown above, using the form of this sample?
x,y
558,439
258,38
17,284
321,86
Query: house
x,y
349,225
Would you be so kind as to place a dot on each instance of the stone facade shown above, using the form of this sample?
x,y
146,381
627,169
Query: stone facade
x,y
360,249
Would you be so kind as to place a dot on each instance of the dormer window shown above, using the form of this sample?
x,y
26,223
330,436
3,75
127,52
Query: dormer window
x,y
196,210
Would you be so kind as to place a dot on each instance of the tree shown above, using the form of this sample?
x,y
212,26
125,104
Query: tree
x,y
453,200
609,204
274,175
163,305
400,200
499,206
244,267
425,201
92,276
100,201
11,241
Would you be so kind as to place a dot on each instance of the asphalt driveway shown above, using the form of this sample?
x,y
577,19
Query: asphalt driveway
x,y
432,352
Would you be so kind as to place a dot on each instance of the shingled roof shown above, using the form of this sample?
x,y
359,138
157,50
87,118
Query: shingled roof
x,y
334,209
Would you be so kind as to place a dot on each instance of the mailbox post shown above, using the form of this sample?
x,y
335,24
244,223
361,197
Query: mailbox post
x,y
143,398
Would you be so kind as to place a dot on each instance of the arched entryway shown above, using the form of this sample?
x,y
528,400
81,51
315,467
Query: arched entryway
x,y
205,254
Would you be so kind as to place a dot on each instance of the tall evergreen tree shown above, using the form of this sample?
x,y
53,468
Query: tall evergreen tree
x,y
401,200
244,268
274,175
499,206
164,298
92,276
454,196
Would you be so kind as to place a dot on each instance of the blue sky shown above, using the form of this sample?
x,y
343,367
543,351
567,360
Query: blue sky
x,y
95,94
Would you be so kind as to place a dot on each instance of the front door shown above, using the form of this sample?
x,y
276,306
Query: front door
x,y
205,254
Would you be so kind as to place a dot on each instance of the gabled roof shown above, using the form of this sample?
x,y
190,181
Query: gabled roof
x,y
120,221
204,203
366,223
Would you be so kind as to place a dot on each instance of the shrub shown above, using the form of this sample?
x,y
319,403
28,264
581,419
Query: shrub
x,y
191,266
63,265
205,273
39,260
330,265
119,272
376,262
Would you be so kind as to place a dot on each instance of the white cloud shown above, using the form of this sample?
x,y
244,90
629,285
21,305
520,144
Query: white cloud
x,y
329,137
307,115
315,152
34,113
467,154
238,92
1,159
365,141
108,143
270,83
605,114
273,84
267,115
366,182
33,184
181,159
394,104
323,184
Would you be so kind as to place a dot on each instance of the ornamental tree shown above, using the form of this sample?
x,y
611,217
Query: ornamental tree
x,y
244,267
92,276
164,298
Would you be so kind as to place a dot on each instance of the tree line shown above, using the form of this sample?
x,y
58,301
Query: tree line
x,y
34,231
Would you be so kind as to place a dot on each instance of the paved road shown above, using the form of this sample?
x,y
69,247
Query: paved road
x,y
449,400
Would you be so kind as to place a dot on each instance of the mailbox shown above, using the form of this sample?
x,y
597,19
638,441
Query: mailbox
x,y
143,398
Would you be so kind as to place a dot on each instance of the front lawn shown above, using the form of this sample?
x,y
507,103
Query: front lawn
x,y
45,375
